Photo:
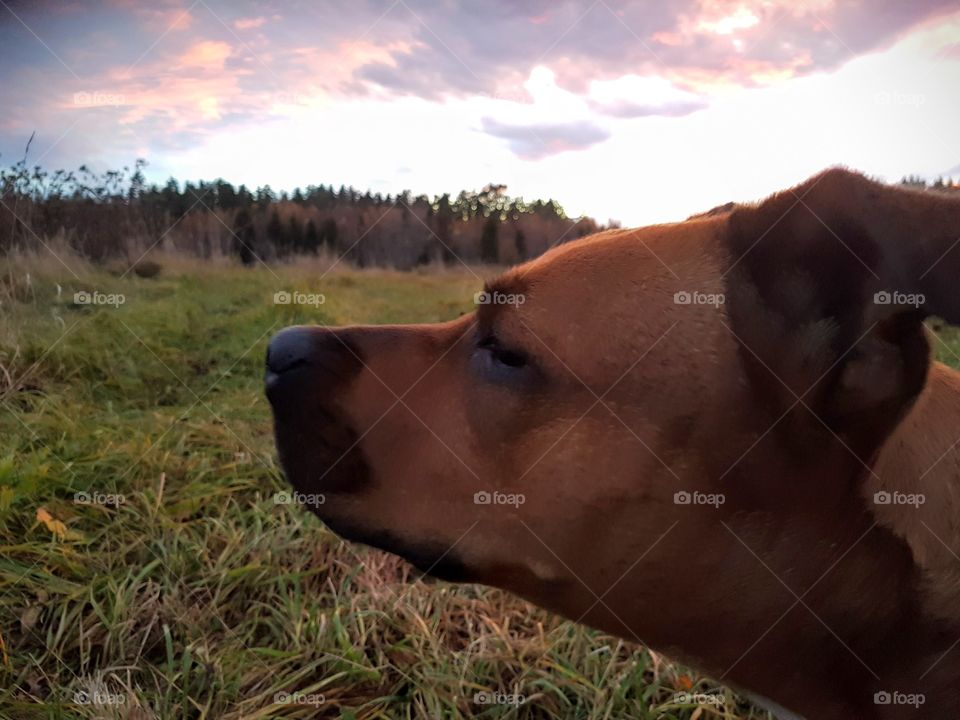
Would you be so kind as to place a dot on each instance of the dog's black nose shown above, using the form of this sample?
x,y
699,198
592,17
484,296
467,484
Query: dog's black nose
x,y
305,358
290,348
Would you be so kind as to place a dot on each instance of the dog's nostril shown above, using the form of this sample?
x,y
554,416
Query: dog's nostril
x,y
311,356
289,348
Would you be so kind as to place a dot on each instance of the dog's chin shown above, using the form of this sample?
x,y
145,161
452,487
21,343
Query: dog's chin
x,y
336,471
312,466
319,453
432,559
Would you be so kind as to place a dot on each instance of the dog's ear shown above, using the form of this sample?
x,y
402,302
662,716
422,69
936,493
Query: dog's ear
x,y
827,288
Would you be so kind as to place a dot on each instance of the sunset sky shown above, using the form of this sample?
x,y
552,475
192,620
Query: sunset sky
x,y
639,111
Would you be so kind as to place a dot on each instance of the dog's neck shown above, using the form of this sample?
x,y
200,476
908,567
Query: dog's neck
x,y
913,493
883,618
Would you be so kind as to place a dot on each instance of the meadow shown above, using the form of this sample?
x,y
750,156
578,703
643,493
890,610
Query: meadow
x,y
147,569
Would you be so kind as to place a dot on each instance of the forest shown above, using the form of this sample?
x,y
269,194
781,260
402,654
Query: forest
x,y
117,213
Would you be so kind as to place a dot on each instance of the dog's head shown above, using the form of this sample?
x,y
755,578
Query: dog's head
x,y
641,417
574,402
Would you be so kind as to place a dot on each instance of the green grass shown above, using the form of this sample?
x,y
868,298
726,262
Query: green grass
x,y
198,596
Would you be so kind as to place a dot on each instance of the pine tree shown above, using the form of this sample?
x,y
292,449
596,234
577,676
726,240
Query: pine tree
x,y
311,238
489,242
520,243
294,239
275,233
244,237
328,234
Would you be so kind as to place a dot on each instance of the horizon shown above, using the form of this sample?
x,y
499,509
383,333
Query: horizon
x,y
614,111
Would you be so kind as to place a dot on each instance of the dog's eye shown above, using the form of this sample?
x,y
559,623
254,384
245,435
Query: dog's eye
x,y
498,361
502,355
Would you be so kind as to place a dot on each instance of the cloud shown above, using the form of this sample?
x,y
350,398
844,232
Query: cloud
x,y
466,49
633,97
187,70
249,23
443,49
157,17
204,55
434,49
535,141
628,109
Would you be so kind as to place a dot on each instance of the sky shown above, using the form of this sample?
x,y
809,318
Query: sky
x,y
640,112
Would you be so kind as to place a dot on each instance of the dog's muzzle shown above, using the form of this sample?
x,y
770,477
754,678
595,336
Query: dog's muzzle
x,y
300,348
307,370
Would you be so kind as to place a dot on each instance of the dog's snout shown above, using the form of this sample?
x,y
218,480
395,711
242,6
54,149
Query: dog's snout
x,y
308,368
290,348
304,357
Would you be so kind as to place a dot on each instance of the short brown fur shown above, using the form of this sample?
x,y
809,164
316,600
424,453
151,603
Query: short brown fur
x,y
798,399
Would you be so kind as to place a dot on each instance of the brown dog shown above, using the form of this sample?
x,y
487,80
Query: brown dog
x,y
723,437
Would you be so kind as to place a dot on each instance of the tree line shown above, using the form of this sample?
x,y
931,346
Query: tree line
x,y
117,213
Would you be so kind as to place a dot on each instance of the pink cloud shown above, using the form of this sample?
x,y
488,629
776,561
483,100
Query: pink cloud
x,y
169,15
162,70
189,90
205,54
249,23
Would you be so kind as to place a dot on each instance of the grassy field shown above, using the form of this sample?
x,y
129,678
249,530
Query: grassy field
x,y
146,571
